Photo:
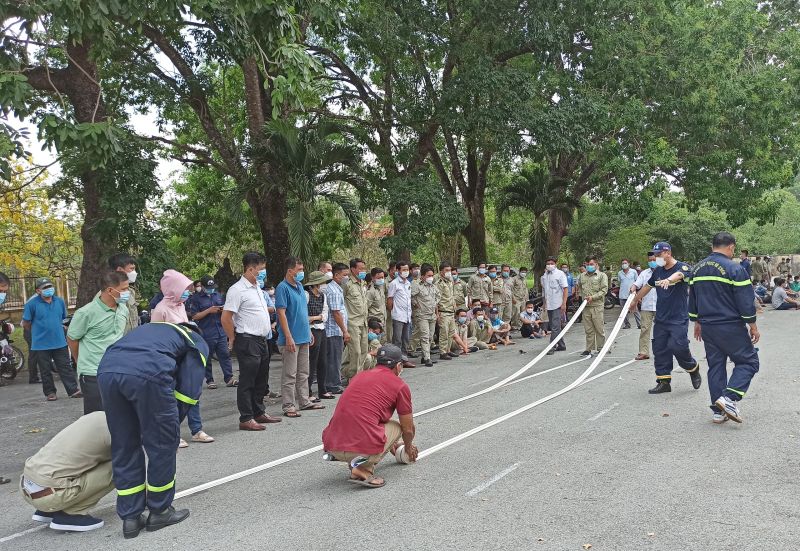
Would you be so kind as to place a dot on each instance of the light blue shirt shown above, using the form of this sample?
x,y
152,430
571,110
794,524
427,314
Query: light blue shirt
x,y
335,297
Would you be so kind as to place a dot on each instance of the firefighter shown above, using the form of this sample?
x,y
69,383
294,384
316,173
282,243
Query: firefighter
x,y
148,380
722,306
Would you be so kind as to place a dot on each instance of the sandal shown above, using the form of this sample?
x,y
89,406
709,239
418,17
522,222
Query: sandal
x,y
212,385
232,382
291,413
328,396
368,482
312,406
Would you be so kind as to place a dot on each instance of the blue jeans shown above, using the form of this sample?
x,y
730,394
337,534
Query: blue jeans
x,y
193,417
333,374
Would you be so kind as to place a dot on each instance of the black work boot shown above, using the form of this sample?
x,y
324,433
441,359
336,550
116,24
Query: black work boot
x,y
697,379
661,387
132,526
157,521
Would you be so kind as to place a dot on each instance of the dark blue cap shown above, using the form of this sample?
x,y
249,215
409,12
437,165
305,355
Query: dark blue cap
x,y
661,246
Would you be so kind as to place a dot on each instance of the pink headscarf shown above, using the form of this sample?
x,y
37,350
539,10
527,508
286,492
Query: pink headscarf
x,y
171,308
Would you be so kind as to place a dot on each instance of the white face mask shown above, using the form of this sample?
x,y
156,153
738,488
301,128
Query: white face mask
x,y
404,274
551,267
429,280
448,275
529,310
479,318
132,276
660,261
329,274
625,265
323,287
523,275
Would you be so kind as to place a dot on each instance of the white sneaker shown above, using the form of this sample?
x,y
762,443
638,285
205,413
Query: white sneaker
x,y
729,407
202,437
183,444
719,418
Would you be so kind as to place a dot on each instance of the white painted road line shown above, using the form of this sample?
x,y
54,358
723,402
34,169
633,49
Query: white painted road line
x,y
482,382
599,415
23,533
481,487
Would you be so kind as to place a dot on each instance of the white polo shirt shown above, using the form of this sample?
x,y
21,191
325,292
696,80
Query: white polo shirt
x,y
400,293
649,300
249,307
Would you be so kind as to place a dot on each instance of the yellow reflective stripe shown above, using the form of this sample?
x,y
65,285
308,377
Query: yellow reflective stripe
x,y
163,488
184,398
659,377
721,280
692,370
131,491
739,392
692,315
185,333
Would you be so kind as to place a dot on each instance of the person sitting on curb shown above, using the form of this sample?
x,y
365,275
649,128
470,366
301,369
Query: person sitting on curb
x,y
374,338
362,431
70,474
531,323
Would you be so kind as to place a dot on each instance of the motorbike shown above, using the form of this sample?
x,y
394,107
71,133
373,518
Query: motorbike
x,y
612,298
12,361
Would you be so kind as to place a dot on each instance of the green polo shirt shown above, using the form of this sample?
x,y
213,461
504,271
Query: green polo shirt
x,y
96,327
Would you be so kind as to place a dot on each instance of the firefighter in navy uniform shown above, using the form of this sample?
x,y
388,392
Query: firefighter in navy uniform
x,y
148,380
721,303
670,279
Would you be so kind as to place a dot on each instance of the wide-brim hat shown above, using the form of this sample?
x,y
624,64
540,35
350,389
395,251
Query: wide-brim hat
x,y
317,278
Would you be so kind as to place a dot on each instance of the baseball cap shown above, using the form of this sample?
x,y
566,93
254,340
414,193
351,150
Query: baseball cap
x,y
661,246
389,355
207,281
494,310
44,282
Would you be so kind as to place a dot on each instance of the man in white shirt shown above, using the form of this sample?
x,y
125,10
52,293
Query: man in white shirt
x,y
399,302
245,319
627,278
648,308
554,294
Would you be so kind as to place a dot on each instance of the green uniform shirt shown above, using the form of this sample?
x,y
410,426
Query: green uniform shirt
x,y
446,301
80,447
595,286
520,290
355,300
424,299
480,331
480,288
460,293
376,303
96,327
497,290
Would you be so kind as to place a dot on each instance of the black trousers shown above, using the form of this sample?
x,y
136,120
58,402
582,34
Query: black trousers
x,y
91,394
316,360
33,363
253,355
59,356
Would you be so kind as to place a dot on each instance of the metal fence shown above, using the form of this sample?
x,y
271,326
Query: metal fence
x,y
22,289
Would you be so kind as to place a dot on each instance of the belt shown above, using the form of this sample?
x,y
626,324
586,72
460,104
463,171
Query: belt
x,y
40,493
249,336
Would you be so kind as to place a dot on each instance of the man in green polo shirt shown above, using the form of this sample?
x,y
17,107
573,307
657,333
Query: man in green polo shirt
x,y
95,327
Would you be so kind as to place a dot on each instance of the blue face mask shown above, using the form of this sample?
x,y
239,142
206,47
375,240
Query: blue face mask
x,y
124,297
377,282
211,291
185,296
481,271
299,276
362,275
462,320
49,292
652,264
506,275
2,298
492,275
372,336
262,275
590,269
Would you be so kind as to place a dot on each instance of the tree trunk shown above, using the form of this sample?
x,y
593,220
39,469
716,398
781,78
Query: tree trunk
x,y
399,221
475,232
270,215
81,87
557,228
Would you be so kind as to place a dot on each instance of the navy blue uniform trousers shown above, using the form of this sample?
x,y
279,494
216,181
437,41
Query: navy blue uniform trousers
x,y
671,340
219,347
141,413
723,341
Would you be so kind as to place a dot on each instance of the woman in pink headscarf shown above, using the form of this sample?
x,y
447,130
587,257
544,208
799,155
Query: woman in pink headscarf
x,y
175,288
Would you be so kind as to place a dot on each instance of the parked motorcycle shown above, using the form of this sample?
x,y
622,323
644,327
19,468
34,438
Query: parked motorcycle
x,y
12,361
612,298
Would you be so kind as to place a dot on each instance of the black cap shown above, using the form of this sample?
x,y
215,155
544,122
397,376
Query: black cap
x,y
494,310
389,355
43,282
207,281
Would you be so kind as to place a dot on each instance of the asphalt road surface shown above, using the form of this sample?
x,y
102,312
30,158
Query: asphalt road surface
x,y
605,465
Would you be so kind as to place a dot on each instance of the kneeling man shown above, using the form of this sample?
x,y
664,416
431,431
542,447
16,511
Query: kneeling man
x,y
70,474
362,430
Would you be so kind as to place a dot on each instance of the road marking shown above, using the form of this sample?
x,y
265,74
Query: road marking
x,y
23,533
502,474
481,382
556,368
599,415
24,414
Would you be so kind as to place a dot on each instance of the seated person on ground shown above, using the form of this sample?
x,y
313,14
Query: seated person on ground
x,y
70,474
374,337
462,342
794,286
481,330
362,430
531,323
780,299
501,328
476,305
762,294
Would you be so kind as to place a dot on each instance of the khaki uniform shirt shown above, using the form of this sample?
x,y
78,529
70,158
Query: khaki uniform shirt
x,y
508,290
481,333
595,286
460,293
520,290
424,300
497,290
480,287
446,300
80,447
462,331
376,303
355,300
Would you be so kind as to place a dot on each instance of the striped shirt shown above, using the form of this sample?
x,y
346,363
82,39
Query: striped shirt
x,y
335,297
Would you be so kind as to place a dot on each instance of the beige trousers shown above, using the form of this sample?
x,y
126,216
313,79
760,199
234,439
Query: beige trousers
x,y
294,378
89,488
393,434
427,327
646,332
593,325
447,328
357,348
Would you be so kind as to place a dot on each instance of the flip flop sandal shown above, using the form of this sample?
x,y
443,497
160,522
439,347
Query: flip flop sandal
x,y
313,406
328,396
291,414
212,386
367,483
232,383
